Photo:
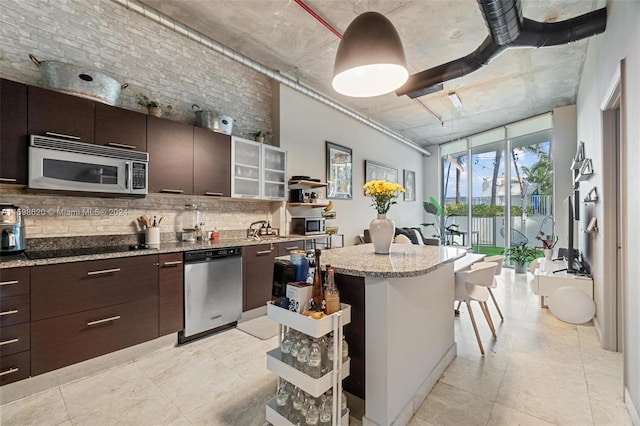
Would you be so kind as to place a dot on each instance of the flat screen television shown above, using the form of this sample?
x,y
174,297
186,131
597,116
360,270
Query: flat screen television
x,y
570,254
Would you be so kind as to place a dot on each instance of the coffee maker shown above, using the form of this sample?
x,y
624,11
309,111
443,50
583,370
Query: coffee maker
x,y
12,228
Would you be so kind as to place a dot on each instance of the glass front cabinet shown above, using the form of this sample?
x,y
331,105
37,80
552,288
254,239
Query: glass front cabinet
x,y
259,170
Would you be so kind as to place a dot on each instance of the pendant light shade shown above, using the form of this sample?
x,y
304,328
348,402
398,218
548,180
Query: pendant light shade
x,y
370,60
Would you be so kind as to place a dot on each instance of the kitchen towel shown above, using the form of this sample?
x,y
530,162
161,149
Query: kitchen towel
x,y
262,327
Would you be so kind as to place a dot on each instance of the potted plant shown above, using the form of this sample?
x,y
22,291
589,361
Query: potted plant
x,y
548,243
154,108
260,135
433,207
520,255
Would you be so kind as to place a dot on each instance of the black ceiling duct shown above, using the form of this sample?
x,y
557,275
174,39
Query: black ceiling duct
x,y
508,29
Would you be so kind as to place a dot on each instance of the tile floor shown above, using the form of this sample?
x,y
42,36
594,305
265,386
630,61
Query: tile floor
x,y
540,371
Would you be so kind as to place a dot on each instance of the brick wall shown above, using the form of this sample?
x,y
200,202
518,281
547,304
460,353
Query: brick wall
x,y
152,59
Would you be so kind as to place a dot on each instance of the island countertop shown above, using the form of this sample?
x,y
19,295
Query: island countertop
x,y
404,260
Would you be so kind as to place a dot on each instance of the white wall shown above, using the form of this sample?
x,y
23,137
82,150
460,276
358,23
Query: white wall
x,y
563,149
620,41
304,126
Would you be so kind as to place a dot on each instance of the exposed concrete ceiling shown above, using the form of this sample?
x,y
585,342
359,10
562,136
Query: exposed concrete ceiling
x,y
518,84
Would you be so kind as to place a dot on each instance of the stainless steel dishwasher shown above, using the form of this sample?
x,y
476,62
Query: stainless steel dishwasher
x,y
212,291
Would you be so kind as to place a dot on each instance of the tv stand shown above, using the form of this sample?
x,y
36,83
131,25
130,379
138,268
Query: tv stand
x,y
551,275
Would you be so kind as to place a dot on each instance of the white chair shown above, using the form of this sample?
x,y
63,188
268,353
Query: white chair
x,y
472,285
499,260
402,239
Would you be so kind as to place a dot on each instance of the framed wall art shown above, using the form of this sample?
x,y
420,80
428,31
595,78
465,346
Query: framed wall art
x,y
377,171
339,162
409,185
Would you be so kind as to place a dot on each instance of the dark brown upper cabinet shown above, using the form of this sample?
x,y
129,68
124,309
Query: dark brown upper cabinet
x,y
211,163
170,148
13,132
120,128
55,112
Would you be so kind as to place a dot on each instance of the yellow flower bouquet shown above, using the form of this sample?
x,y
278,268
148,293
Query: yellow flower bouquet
x,y
383,193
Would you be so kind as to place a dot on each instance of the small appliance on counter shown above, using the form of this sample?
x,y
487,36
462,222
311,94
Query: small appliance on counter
x,y
307,225
12,227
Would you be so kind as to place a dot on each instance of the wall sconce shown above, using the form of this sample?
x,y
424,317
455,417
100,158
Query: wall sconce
x,y
370,60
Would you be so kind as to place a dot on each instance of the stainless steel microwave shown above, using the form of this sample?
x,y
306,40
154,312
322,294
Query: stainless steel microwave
x,y
307,225
60,164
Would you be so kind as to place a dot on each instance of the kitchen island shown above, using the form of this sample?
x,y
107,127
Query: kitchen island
x,y
401,337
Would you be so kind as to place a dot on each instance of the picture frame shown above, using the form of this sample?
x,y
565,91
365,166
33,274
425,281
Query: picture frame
x,y
378,171
339,167
409,184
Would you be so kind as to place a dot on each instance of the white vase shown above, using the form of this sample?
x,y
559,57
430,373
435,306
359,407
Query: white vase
x,y
382,230
548,254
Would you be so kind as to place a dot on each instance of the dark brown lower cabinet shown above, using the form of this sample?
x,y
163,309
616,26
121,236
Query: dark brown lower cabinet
x,y
68,339
257,275
14,367
171,294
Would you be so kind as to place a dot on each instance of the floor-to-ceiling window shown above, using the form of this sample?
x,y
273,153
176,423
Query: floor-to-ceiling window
x,y
455,194
497,187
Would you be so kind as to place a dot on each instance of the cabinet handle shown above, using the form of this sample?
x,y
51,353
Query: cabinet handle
x,y
121,145
8,342
117,317
292,248
9,371
104,271
172,263
213,194
8,180
9,282
11,312
172,191
62,135
260,253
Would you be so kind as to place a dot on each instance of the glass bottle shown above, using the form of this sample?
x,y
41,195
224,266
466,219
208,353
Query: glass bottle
x,y
315,360
303,356
296,405
343,403
318,294
325,412
294,351
345,350
282,402
331,294
313,414
285,347
330,355
305,407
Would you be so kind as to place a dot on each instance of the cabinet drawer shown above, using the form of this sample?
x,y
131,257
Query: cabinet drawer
x,y
171,294
74,287
65,340
15,367
14,339
14,281
14,310
284,249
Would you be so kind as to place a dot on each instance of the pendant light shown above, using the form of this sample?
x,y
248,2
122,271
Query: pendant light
x,y
370,60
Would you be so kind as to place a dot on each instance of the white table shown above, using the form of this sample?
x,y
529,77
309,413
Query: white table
x,y
466,261
546,281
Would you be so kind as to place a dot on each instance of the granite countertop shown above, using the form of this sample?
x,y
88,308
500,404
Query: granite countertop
x,y
404,260
20,260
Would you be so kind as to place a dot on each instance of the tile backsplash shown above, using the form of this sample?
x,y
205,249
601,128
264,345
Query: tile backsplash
x,y
47,215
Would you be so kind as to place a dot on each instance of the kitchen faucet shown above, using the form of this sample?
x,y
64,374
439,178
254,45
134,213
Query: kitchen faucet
x,y
254,233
